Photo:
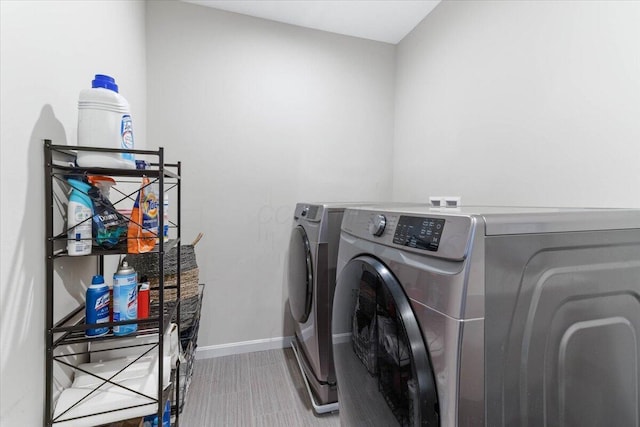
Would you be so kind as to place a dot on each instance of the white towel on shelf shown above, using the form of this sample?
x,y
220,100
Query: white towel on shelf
x,y
103,405
108,358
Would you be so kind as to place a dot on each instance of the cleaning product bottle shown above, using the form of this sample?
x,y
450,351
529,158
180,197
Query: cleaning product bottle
x,y
104,120
125,299
104,183
109,226
97,306
79,213
152,420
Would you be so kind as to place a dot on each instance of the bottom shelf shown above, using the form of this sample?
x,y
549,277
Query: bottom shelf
x,y
90,402
132,362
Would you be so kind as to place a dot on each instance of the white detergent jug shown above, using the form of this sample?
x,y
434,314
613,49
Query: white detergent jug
x,y
104,120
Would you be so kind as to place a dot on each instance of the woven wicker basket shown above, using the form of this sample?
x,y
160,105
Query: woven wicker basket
x,y
188,285
189,311
147,264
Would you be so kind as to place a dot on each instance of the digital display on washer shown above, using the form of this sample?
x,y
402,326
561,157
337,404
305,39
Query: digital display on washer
x,y
419,232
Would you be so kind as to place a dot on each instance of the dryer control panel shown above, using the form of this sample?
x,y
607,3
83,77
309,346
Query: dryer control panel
x,y
419,232
307,212
414,229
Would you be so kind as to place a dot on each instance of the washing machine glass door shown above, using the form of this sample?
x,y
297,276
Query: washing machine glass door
x,y
300,279
382,363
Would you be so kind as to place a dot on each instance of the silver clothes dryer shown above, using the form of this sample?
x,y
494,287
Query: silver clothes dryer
x,y
486,316
313,253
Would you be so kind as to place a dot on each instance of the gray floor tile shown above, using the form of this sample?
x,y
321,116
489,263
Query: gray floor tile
x,y
216,409
291,418
263,358
256,389
270,389
229,374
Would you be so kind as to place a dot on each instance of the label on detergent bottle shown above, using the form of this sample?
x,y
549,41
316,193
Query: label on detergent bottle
x,y
79,234
125,302
97,310
150,209
80,213
126,130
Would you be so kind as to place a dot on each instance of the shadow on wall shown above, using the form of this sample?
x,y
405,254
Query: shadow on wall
x,y
22,302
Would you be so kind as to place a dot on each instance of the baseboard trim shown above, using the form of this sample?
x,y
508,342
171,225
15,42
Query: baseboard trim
x,y
211,351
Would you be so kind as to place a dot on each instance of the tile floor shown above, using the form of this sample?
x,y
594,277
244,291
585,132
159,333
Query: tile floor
x,y
254,389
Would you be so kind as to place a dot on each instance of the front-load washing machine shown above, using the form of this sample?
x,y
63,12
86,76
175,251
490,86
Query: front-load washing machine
x,y
313,253
482,316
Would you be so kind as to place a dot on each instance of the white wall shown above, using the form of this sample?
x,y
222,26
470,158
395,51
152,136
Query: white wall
x,y
258,112
50,51
524,103
500,102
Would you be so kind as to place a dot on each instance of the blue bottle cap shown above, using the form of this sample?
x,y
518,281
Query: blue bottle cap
x,y
105,81
97,280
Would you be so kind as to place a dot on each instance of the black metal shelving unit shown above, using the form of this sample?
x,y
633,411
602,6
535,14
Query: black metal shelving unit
x,y
69,331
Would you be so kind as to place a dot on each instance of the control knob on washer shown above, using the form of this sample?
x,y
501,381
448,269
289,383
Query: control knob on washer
x,y
377,225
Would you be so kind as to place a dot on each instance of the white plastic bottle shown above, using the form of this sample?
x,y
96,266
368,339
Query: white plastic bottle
x,y
79,219
104,120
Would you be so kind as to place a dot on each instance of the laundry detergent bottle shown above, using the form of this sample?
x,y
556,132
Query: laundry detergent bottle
x,y
104,120
79,214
